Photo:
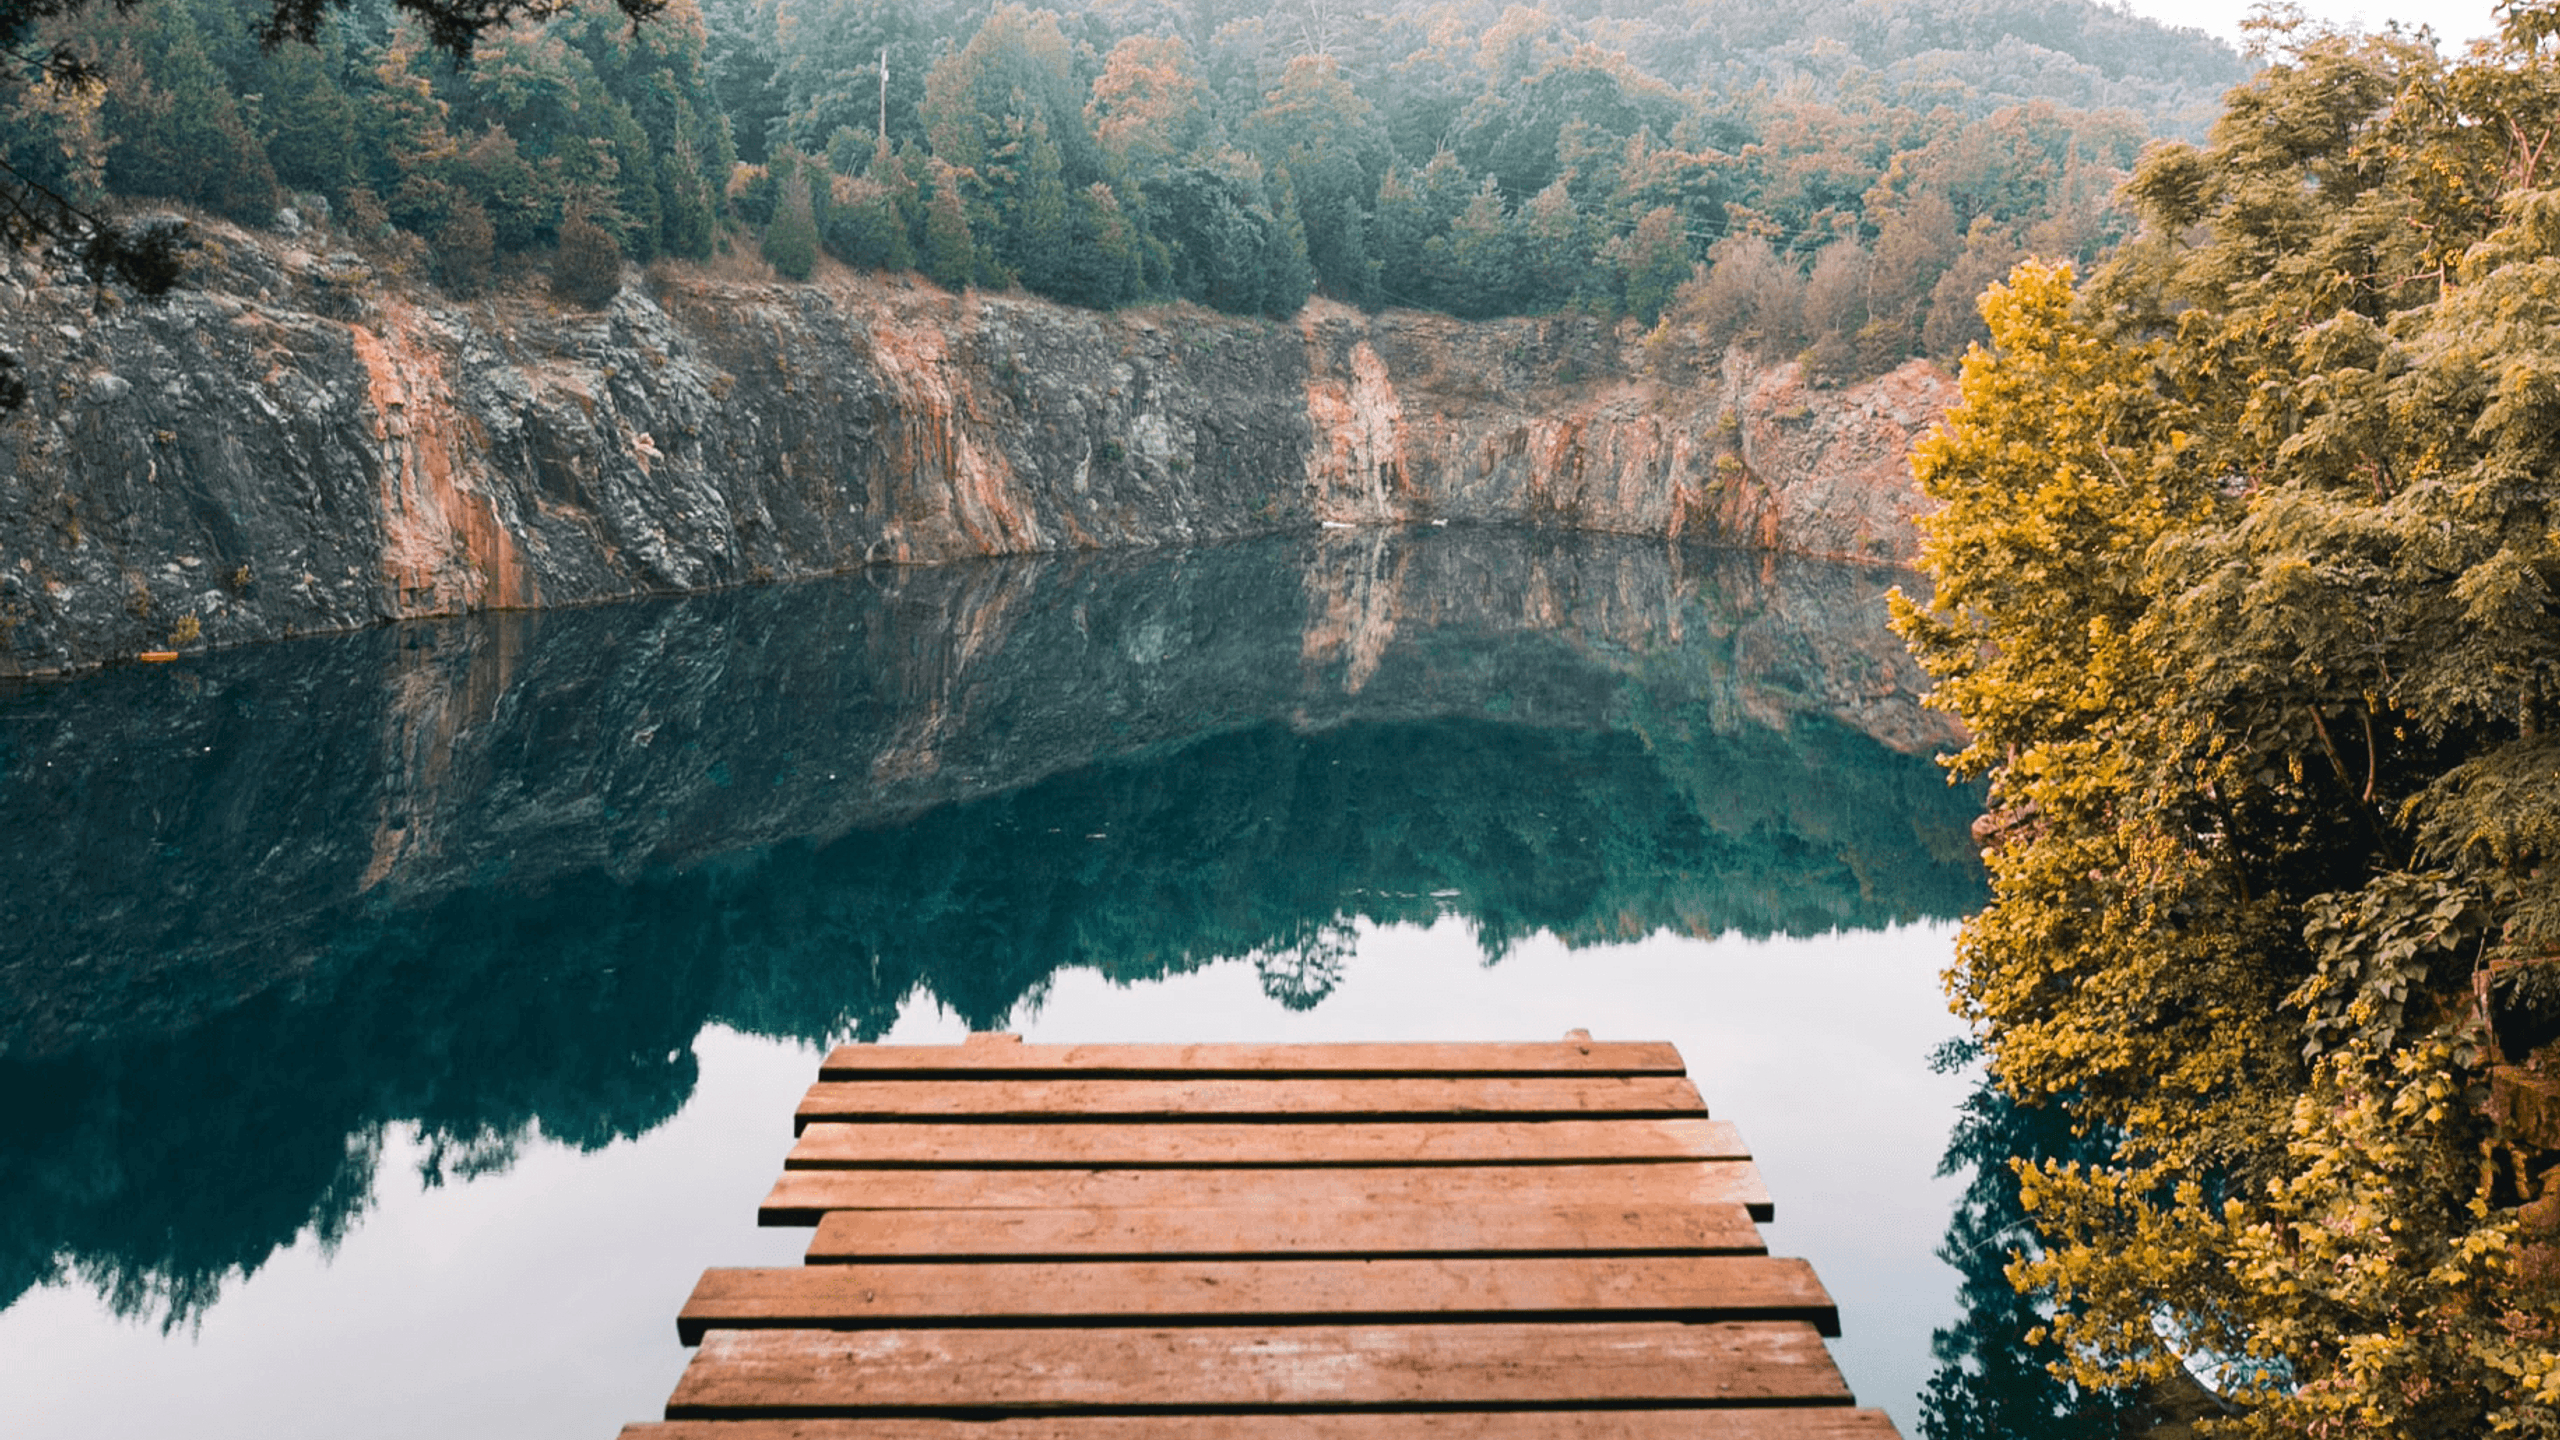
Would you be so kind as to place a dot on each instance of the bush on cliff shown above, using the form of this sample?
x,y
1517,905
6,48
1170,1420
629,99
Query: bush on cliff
x,y
588,269
465,250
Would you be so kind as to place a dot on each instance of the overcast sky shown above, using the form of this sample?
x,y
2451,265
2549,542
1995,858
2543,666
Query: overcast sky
x,y
2456,22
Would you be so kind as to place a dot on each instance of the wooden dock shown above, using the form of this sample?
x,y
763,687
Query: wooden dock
x,y
1249,1242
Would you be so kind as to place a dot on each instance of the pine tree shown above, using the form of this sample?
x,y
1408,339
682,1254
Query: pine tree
x,y
1289,279
308,121
1555,250
173,126
685,200
1036,239
950,252
635,184
791,241
1484,259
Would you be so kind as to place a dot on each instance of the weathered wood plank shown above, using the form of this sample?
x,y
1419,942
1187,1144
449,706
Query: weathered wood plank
x,y
1537,1097
932,1146
801,1196
1689,1288
1301,1230
1206,1062
1320,1367
1825,1422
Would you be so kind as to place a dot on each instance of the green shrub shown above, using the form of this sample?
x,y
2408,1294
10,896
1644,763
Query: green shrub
x,y
587,271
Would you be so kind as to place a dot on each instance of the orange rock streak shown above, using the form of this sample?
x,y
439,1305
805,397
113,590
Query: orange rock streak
x,y
445,547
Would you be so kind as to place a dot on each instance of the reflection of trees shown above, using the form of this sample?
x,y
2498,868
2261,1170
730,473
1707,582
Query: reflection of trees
x,y
1993,1382
572,1004
269,915
1304,969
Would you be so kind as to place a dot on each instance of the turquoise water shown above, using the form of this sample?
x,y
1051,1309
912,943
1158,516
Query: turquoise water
x,y
395,1024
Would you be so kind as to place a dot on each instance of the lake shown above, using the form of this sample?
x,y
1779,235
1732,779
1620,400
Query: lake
x,y
393,1025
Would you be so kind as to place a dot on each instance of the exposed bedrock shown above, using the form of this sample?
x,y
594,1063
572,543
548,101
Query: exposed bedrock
x,y
299,447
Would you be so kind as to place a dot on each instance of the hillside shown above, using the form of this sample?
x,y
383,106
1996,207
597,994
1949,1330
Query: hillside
x,y
1850,173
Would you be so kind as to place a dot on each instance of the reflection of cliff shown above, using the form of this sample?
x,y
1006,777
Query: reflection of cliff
x,y
211,827
481,874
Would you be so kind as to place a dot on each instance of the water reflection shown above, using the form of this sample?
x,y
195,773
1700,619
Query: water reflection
x,y
1993,1382
482,876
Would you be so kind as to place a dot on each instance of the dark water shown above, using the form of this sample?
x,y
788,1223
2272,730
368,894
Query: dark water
x,y
314,945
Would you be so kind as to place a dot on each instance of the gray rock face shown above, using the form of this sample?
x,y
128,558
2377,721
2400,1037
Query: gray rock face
x,y
302,445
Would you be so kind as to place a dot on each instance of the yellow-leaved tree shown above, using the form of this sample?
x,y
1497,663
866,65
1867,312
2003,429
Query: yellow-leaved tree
x,y
2247,582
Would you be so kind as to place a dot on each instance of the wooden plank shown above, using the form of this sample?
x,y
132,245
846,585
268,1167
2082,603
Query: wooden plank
x,y
931,1146
1688,1288
1537,1097
1207,1368
1208,1062
801,1196
1824,1422
1306,1231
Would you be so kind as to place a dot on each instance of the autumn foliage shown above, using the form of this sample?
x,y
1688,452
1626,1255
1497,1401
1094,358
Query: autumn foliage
x,y
2248,586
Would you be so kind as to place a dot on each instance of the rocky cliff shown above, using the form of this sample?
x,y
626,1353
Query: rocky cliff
x,y
294,445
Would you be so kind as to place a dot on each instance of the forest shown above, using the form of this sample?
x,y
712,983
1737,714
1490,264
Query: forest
x,y
1837,180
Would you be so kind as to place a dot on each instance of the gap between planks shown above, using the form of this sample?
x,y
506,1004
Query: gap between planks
x,y
1005,1058
1079,1101
800,1197
1199,1145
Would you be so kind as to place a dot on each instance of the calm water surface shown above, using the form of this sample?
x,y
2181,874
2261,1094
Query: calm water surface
x,y
392,1027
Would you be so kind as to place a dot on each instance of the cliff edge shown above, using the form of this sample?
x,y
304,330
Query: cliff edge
x,y
296,445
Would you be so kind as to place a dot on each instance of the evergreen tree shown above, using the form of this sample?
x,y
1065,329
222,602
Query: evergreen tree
x,y
791,241
1291,277
685,200
308,122
636,184
173,127
949,251
522,204
1317,128
1554,250
1104,265
465,250
1034,235
827,66
1652,262
1484,271
863,229
1403,226
411,157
